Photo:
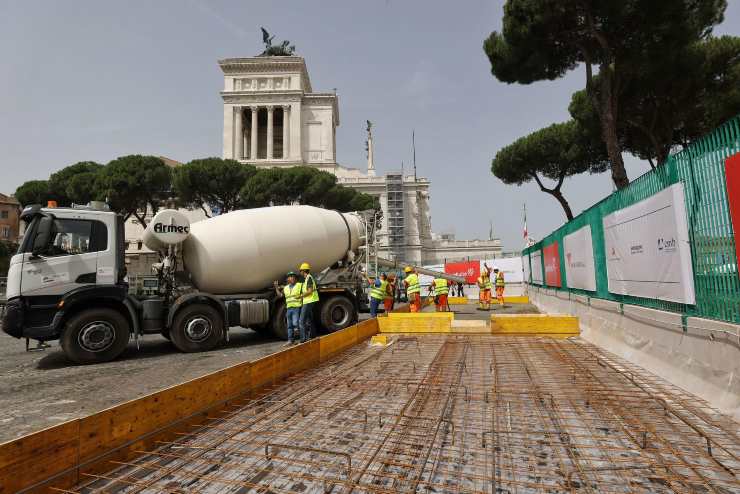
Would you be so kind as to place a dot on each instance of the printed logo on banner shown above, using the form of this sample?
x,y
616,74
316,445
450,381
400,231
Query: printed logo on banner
x,y
666,246
552,264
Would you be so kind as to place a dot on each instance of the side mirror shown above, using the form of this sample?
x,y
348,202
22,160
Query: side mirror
x,y
43,235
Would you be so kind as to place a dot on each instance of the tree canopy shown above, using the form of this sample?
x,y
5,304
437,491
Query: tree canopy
x,y
674,101
302,185
555,152
131,183
76,183
211,181
33,192
542,39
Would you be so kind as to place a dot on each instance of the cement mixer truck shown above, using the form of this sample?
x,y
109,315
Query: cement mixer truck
x,y
68,280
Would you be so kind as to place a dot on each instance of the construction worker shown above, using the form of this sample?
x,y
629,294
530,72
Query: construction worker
x,y
441,291
378,292
292,293
484,288
309,298
413,289
499,282
390,293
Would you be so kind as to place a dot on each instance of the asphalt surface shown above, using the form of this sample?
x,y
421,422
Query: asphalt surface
x,y
42,389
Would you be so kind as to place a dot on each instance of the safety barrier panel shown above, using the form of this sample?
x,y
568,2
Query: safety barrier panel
x,y
60,456
701,169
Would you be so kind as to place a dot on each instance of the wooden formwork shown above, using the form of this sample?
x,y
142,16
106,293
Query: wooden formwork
x,y
60,456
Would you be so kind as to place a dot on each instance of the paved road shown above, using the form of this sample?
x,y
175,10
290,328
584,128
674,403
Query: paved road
x,y
38,390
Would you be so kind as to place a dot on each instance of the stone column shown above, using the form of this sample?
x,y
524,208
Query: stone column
x,y
239,134
253,132
270,110
286,127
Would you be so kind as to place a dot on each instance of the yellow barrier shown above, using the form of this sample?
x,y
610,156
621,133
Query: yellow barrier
x,y
419,322
534,324
516,299
457,300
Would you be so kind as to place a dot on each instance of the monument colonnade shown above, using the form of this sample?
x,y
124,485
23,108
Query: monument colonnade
x,y
242,132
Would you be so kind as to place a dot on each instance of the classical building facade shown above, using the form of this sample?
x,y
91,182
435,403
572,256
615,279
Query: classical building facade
x,y
273,118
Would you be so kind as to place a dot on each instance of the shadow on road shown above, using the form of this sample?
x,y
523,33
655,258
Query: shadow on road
x,y
155,346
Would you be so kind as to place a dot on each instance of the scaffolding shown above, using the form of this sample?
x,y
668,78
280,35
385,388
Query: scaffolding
x,y
450,413
396,215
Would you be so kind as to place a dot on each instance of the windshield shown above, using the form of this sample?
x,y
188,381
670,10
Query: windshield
x,y
27,244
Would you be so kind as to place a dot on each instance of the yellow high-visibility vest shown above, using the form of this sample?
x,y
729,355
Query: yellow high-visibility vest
x,y
440,287
293,295
314,297
500,279
413,284
379,292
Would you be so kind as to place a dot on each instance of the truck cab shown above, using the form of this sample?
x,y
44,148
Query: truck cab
x,y
69,258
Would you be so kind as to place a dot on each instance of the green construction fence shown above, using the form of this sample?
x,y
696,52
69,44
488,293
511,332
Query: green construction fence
x,y
701,168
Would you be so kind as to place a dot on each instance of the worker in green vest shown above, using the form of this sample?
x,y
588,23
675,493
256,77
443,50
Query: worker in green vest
x,y
441,291
292,293
309,298
378,292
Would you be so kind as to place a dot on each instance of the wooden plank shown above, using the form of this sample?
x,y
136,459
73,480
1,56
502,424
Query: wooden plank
x,y
296,359
38,456
420,323
116,426
366,329
532,324
262,372
336,342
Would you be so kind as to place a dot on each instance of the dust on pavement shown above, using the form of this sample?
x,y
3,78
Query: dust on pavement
x,y
39,390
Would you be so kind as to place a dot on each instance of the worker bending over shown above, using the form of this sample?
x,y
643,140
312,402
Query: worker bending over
x,y
484,288
413,289
378,292
390,293
441,291
499,282
292,294
309,297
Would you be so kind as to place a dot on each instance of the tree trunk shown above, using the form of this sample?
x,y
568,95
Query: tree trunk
x,y
563,203
608,117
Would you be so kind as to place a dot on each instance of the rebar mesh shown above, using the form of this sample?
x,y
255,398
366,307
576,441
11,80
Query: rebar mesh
x,y
463,414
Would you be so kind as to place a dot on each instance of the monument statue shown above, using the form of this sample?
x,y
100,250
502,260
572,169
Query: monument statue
x,y
284,49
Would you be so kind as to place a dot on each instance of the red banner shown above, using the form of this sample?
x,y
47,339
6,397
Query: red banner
x,y
732,177
552,264
470,270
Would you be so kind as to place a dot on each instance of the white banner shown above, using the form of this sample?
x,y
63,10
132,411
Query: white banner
x,y
579,259
527,271
511,266
647,248
536,260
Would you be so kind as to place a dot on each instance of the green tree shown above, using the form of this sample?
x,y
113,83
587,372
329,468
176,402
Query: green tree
x,y
75,183
131,183
555,152
33,192
543,39
674,101
302,185
211,181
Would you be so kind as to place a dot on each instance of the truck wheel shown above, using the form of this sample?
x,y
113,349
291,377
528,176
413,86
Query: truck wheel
x,y
95,335
279,322
337,313
197,328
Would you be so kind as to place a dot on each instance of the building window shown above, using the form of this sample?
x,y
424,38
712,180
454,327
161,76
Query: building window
x,y
4,215
5,230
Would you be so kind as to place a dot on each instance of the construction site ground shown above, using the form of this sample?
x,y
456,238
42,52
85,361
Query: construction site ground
x,y
463,413
41,389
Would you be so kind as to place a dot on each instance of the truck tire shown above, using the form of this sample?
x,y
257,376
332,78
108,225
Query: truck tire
x,y
279,322
197,328
95,335
337,312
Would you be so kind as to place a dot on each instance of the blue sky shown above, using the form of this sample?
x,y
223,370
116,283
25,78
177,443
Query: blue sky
x,y
93,80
